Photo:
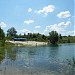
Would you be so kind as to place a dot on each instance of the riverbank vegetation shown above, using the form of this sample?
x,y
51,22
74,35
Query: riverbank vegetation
x,y
53,37
43,38
2,37
12,33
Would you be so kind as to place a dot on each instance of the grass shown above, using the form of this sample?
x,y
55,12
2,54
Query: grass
x,y
8,44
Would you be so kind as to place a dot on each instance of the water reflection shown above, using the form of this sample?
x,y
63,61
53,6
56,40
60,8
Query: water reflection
x,y
51,45
41,58
2,54
11,53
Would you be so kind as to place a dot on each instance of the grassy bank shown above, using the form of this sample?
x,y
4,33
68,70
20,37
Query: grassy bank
x,y
67,39
7,44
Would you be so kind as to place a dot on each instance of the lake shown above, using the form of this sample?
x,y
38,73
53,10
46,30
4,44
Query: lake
x,y
42,60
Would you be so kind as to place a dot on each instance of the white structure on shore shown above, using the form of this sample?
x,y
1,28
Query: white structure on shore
x,y
28,43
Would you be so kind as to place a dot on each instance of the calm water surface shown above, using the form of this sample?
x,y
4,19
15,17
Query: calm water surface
x,y
43,60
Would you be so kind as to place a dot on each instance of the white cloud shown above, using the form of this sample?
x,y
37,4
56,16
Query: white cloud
x,y
64,24
26,31
60,27
2,24
37,27
64,14
28,21
30,10
70,32
46,10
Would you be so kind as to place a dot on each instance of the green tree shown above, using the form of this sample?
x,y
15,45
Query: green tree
x,y
68,41
44,37
60,37
53,37
2,37
34,35
11,32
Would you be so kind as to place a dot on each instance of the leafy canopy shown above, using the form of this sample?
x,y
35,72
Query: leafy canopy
x,y
53,37
2,37
11,32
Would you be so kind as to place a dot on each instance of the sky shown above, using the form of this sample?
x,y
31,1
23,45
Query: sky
x,y
38,16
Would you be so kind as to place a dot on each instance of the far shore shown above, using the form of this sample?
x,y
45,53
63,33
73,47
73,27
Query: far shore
x,y
27,43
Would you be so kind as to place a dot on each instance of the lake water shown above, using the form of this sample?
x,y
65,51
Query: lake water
x,y
42,60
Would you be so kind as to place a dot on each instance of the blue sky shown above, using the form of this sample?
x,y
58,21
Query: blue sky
x,y
38,16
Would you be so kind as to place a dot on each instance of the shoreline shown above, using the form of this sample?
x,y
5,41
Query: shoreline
x,y
27,43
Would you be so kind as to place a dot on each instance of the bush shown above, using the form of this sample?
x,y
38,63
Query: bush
x,y
53,37
2,37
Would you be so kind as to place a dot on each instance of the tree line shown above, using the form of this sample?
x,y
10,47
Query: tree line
x,y
53,37
12,33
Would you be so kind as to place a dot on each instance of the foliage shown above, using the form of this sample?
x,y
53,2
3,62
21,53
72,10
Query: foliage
x,y
8,44
53,37
2,37
32,37
67,39
11,32
60,37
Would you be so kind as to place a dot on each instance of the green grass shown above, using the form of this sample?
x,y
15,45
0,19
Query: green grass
x,y
8,44
66,39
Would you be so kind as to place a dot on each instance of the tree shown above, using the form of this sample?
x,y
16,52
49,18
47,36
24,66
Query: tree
x,y
2,37
53,37
68,41
11,32
34,35
44,37
60,37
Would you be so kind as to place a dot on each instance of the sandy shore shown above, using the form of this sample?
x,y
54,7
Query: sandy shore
x,y
28,43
